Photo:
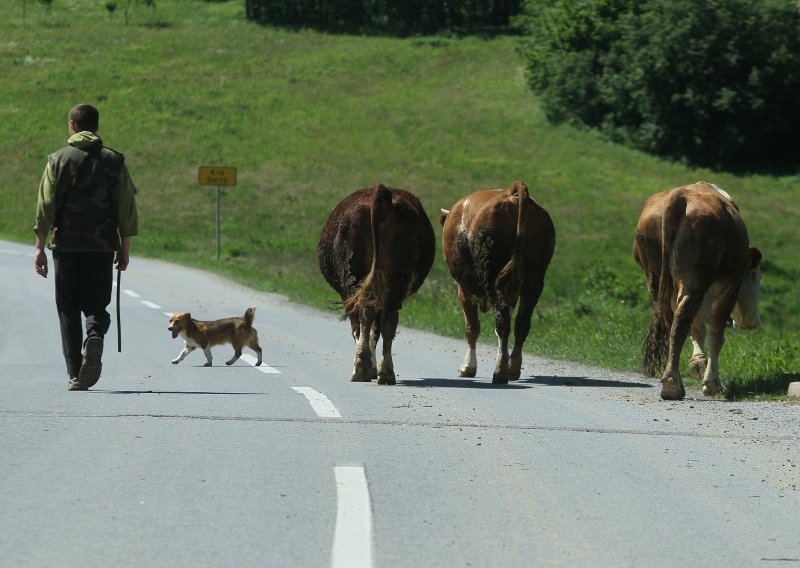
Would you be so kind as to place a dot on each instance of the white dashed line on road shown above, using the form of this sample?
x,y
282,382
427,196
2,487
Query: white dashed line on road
x,y
352,539
131,293
264,368
321,404
150,304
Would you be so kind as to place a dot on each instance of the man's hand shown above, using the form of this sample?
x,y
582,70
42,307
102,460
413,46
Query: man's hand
x,y
122,257
121,260
40,262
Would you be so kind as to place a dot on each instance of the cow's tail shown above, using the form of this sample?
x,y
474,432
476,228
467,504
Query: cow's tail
x,y
509,281
250,315
371,290
656,342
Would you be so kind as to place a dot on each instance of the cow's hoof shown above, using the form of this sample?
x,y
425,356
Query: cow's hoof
x,y
500,379
363,370
386,379
361,375
711,388
467,372
672,390
697,367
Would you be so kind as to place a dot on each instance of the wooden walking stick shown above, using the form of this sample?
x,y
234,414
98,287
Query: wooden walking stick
x,y
119,329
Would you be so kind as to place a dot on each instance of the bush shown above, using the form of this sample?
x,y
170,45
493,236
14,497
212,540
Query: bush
x,y
712,83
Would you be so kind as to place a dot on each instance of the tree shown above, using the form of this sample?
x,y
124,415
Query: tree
x,y
713,83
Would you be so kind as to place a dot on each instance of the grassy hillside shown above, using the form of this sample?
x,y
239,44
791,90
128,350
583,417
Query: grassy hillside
x,y
307,118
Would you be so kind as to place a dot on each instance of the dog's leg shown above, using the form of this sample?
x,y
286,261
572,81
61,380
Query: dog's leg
x,y
207,352
236,355
255,347
182,355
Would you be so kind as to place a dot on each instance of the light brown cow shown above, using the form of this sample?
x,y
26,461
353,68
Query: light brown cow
x,y
693,247
375,250
498,244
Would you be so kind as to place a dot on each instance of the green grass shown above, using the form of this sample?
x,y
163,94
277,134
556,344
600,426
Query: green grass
x,y
307,118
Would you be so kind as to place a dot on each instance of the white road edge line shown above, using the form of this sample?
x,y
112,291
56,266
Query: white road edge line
x,y
321,404
352,539
263,367
150,304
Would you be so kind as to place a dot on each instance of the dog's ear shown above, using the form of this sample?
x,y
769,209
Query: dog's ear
x,y
187,315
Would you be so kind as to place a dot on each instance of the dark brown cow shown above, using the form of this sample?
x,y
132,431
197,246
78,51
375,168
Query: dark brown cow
x,y
498,244
376,250
693,247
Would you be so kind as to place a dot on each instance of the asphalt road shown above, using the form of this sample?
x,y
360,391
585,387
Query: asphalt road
x,y
181,465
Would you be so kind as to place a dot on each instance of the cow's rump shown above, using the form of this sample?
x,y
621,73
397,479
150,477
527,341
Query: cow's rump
x,y
375,250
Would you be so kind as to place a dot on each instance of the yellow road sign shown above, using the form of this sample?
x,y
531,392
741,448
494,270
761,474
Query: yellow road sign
x,y
216,175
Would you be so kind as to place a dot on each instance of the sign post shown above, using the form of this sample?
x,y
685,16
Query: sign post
x,y
219,176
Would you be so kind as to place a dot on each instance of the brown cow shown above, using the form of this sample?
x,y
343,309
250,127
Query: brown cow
x,y
375,250
693,247
498,244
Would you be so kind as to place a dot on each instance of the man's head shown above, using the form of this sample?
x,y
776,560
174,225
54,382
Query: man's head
x,y
84,117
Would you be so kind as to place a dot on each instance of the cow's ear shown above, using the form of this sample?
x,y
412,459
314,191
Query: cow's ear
x,y
443,216
755,257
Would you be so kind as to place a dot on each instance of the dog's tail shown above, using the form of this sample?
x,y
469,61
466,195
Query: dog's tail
x,y
249,315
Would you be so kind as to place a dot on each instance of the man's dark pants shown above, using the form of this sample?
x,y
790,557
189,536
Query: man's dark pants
x,y
83,285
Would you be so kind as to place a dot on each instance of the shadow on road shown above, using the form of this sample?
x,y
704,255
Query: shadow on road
x,y
460,383
524,383
582,382
169,392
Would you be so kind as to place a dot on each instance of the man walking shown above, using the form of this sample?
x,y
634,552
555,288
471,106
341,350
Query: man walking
x,y
87,198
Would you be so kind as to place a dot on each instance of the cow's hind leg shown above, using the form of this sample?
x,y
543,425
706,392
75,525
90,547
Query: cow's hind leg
x,y
374,336
363,369
698,362
671,382
389,321
720,310
472,326
522,327
502,327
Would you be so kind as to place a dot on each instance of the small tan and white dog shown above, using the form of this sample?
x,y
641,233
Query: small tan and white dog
x,y
238,331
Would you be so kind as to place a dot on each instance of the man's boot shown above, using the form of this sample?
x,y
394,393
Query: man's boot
x,y
92,362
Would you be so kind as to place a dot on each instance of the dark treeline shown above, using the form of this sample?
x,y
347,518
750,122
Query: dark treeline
x,y
399,17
